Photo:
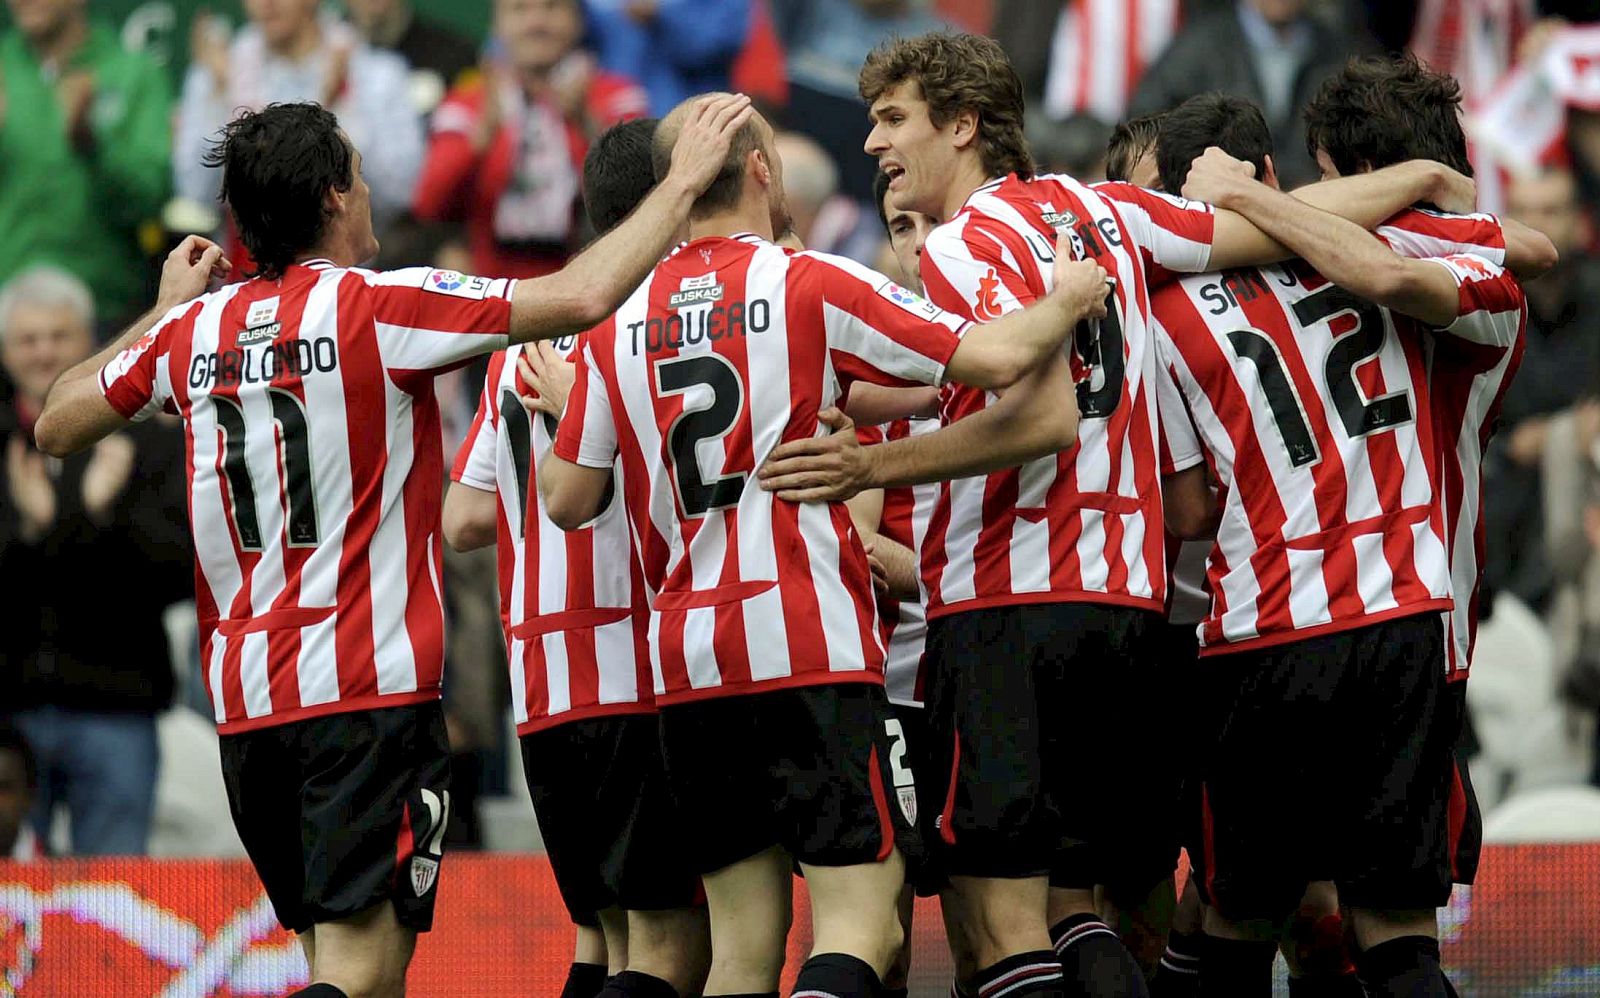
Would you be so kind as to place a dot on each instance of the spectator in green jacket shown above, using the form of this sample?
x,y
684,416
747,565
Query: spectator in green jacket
x,y
85,141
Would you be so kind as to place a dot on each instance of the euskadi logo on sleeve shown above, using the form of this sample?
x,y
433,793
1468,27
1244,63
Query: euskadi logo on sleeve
x,y
456,284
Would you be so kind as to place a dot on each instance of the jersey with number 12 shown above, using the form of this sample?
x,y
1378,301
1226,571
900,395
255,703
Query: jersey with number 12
x,y
731,347
315,465
1315,410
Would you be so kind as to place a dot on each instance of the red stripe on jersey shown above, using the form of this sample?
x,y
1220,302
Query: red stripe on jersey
x,y
363,390
423,496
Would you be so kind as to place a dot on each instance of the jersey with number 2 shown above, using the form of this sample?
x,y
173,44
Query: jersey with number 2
x,y
729,348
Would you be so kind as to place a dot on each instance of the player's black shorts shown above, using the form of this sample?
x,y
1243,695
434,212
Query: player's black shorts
x,y
808,769
339,813
1334,759
1178,666
908,763
1042,714
607,816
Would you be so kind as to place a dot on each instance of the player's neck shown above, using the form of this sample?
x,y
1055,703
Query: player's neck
x,y
745,218
339,251
968,177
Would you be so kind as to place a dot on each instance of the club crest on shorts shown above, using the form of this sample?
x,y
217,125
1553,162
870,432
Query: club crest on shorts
x,y
424,871
908,803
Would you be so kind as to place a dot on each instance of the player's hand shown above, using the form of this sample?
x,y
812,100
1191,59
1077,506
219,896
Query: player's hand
x,y
189,271
548,378
819,469
1083,285
880,575
30,487
703,144
106,475
1454,193
1215,177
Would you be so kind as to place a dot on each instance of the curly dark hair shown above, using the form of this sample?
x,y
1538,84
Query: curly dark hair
x,y
278,165
956,73
1383,110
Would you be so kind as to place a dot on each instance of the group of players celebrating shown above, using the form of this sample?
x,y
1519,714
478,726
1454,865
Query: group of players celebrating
x,y
1156,523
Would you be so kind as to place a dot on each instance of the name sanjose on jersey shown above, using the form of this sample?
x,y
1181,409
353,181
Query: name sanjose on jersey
x,y
1239,286
294,358
736,319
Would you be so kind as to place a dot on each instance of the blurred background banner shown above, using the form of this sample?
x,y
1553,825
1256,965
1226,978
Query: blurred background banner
x,y
192,928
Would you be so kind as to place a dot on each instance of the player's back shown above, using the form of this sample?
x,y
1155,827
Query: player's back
x,y
315,470
572,603
1312,409
1084,523
730,348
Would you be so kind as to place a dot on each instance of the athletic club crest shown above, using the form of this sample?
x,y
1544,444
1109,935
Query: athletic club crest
x,y
425,870
908,803
705,255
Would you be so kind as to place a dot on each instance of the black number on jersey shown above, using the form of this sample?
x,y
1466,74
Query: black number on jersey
x,y
1359,416
519,437
294,456
1099,344
676,375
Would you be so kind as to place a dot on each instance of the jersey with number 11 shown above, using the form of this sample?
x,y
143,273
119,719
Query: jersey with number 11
x,y
730,348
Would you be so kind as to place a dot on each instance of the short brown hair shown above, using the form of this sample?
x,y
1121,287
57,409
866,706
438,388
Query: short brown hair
x,y
1129,142
956,73
723,194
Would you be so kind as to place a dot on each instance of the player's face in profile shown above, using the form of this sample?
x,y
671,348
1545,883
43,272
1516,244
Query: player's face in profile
x,y
908,230
358,208
917,156
39,343
1145,172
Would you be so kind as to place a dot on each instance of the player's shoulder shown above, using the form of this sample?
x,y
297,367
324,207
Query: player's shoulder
x,y
832,266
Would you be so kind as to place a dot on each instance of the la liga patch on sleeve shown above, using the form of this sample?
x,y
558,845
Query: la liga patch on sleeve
x,y
456,284
912,302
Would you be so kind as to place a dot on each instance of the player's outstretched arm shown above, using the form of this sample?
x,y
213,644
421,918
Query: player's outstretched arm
x,y
469,517
1366,200
1339,250
998,354
76,414
1035,417
595,282
572,493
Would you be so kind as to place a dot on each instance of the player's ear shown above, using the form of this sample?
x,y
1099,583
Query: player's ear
x,y
1269,174
333,201
964,128
761,166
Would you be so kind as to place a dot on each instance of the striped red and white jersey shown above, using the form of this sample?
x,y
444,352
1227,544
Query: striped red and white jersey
x,y
730,348
1314,409
572,604
1100,51
1084,524
1469,369
315,468
907,510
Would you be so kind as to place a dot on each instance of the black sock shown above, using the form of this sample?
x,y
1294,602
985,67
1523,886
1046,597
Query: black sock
x,y
584,980
319,991
1327,986
1236,968
1094,963
1036,973
635,984
1178,975
1407,967
838,974
896,992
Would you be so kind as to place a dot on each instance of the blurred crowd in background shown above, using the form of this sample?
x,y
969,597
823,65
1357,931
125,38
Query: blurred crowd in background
x,y
473,117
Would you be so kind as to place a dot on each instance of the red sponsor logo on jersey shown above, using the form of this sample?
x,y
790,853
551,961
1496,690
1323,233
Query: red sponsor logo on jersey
x,y
987,308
